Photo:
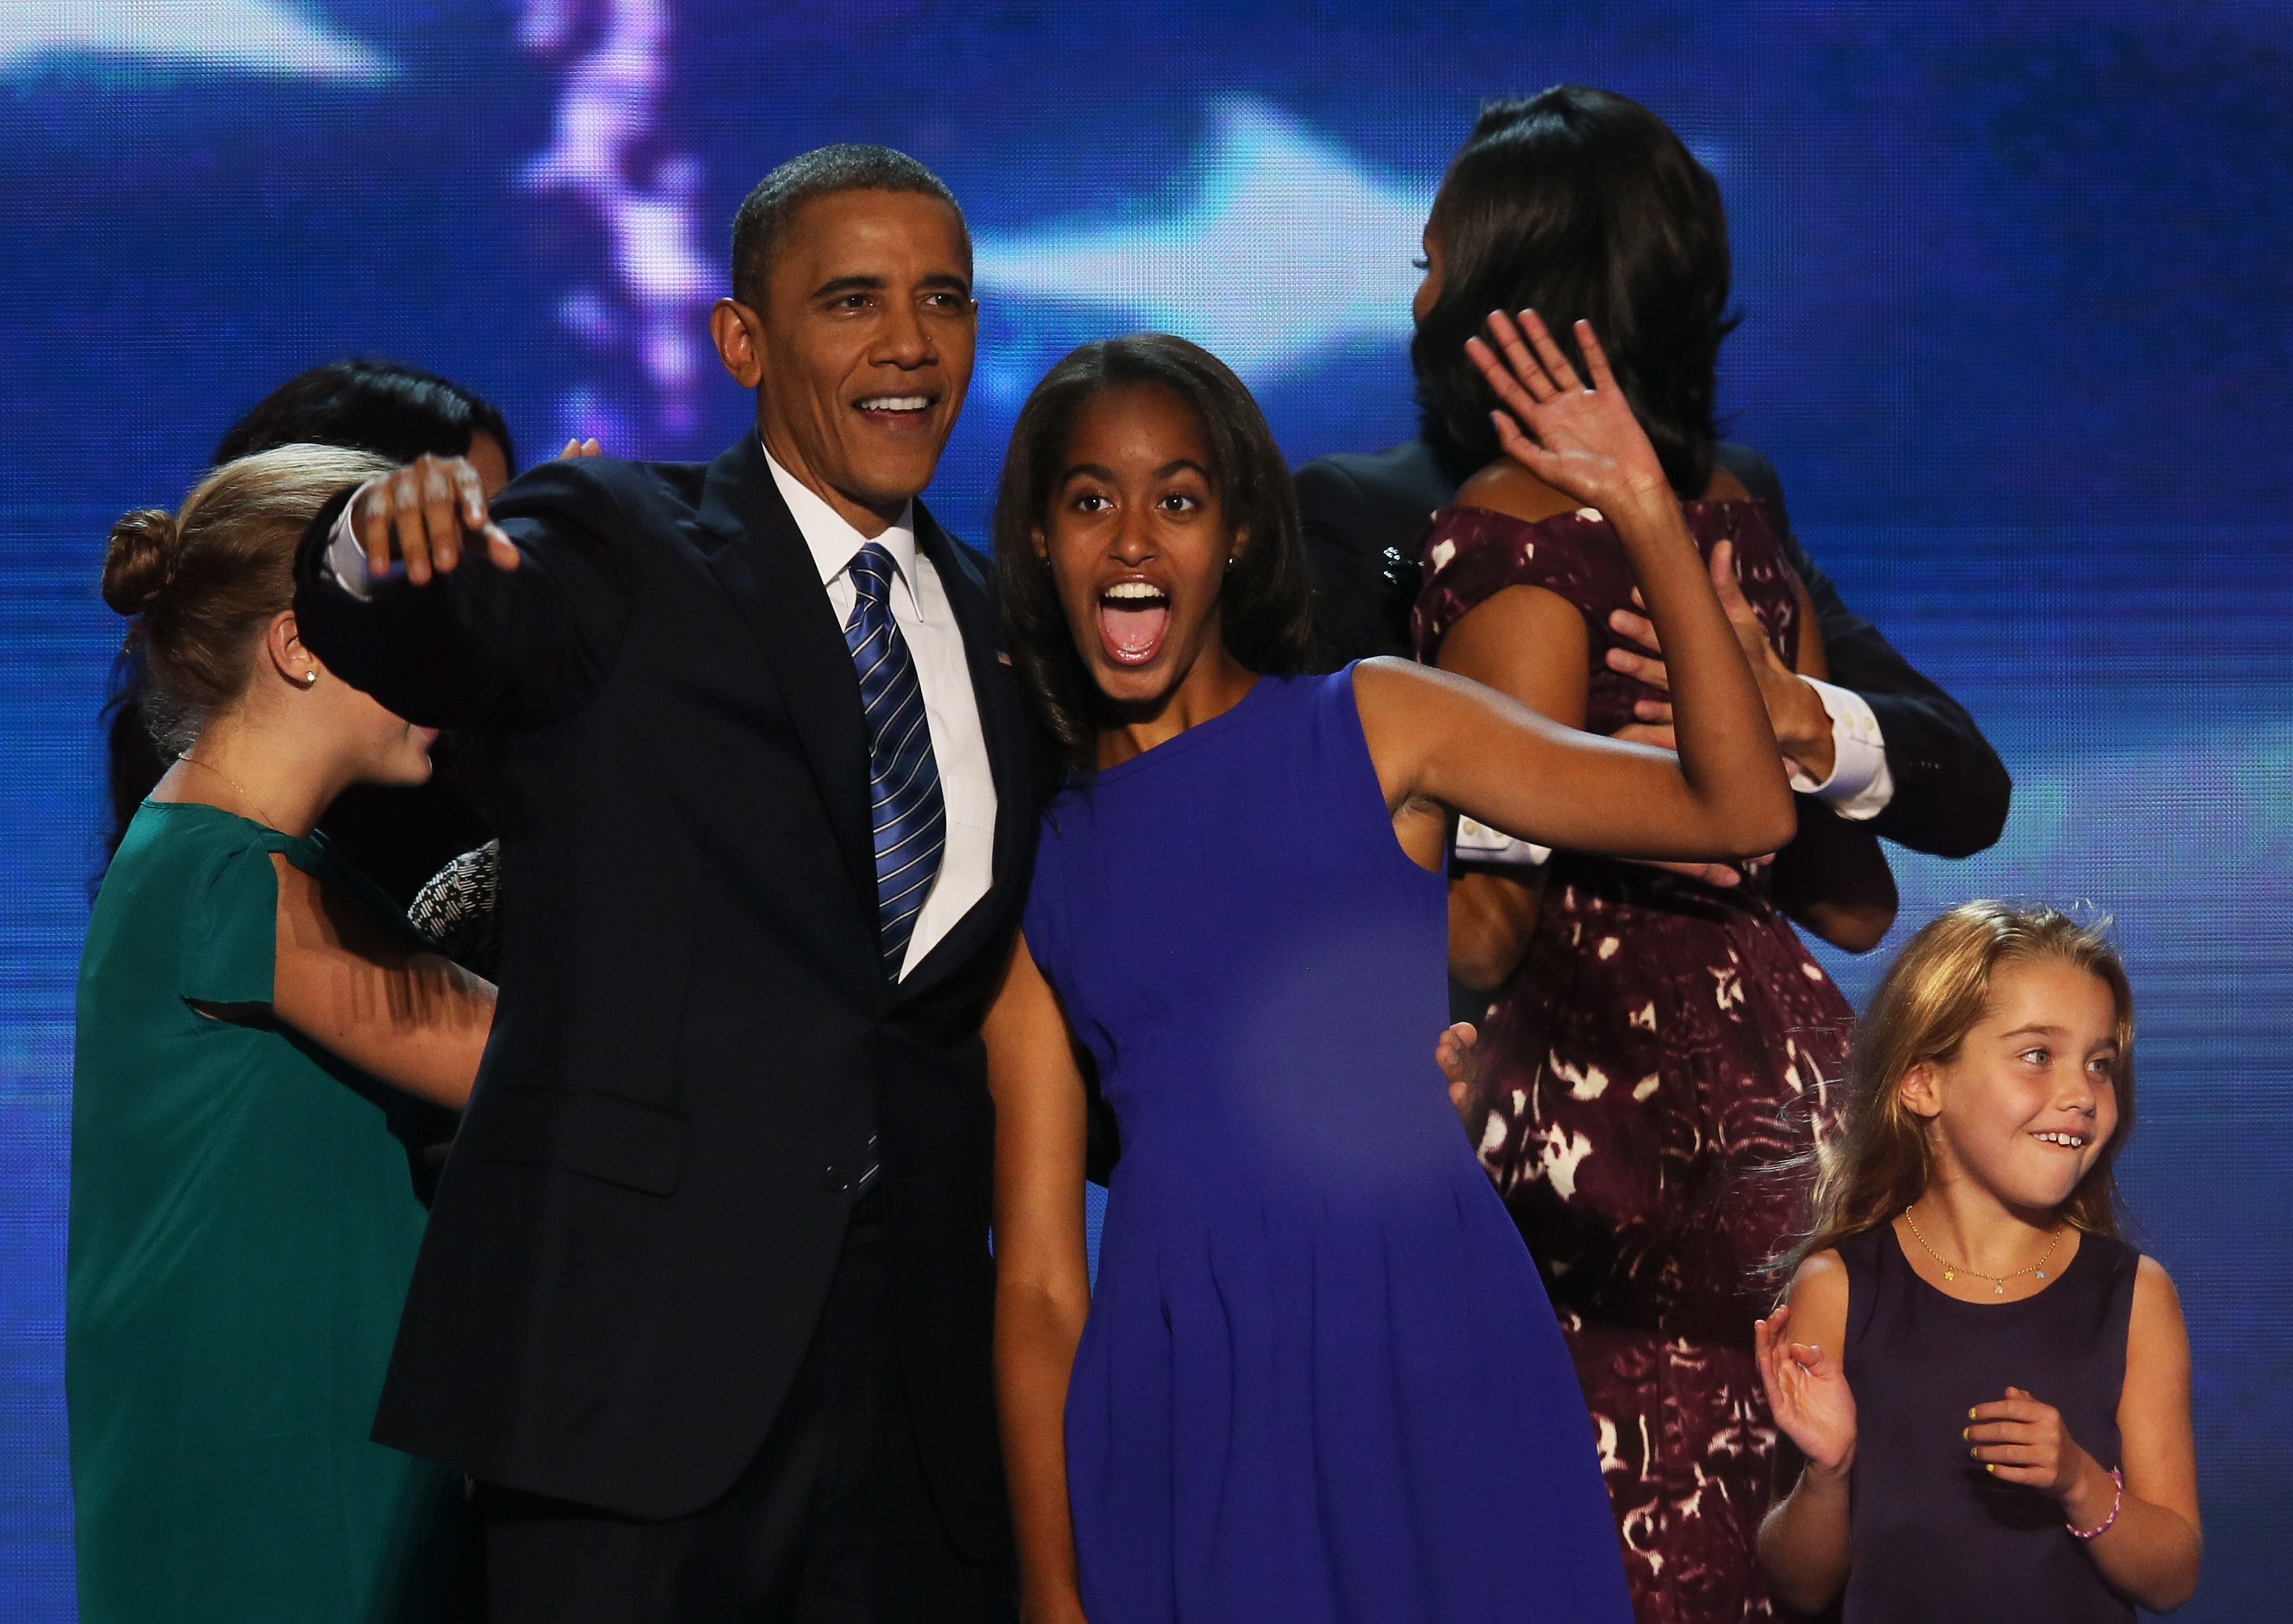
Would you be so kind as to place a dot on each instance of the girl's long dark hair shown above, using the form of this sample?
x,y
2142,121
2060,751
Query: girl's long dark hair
x,y
1265,607
1579,203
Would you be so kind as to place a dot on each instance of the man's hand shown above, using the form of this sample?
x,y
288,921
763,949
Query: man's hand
x,y
1453,1052
1802,726
421,515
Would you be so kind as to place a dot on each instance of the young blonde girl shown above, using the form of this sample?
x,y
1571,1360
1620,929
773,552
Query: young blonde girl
x,y
1989,1387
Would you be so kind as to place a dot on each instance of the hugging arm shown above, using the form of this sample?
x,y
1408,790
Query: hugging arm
x,y
1833,877
452,615
414,1020
1042,1285
1532,645
1449,740
1950,791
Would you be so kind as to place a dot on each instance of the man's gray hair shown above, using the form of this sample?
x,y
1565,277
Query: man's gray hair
x,y
765,213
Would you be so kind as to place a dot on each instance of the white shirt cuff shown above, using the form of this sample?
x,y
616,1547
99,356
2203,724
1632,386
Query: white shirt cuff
x,y
1478,843
1860,786
344,560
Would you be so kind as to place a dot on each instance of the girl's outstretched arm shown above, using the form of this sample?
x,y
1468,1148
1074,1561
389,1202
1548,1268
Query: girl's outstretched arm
x,y
1437,737
1042,1283
2150,1549
1804,1544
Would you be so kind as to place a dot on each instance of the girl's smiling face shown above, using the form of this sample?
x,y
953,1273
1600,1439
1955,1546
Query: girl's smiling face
x,y
1136,540
2026,1105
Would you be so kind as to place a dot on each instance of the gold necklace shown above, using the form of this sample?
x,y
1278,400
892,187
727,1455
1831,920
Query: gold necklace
x,y
268,820
1952,1271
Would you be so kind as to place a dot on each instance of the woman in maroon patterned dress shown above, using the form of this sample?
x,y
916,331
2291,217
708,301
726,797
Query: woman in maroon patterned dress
x,y
1657,1040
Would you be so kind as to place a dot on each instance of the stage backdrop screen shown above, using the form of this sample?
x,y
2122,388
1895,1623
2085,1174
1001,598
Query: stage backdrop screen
x,y
2014,283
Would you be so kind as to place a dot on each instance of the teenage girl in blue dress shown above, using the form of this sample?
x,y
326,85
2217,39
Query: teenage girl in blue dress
x,y
1990,1389
1319,1379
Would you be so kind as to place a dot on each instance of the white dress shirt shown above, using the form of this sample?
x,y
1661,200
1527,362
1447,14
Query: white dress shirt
x,y
1860,786
920,609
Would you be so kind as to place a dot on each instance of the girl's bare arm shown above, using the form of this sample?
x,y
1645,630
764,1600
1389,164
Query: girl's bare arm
x,y
1805,1543
418,1021
1042,1285
2151,1552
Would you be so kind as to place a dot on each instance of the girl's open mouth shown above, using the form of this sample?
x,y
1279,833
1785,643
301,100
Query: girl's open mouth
x,y
1133,617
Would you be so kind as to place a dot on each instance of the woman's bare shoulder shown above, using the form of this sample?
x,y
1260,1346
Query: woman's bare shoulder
x,y
1505,487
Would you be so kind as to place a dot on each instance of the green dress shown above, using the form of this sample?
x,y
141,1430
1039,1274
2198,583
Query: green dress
x,y
243,1226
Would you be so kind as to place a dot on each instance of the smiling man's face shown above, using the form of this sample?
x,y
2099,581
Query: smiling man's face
x,y
863,351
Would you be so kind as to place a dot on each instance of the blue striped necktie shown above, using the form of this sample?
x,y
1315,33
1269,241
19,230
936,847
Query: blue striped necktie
x,y
910,815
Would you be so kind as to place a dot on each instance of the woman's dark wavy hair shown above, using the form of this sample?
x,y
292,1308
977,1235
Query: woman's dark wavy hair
x,y
1580,204
1266,611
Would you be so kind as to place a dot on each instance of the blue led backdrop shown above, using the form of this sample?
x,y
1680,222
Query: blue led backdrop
x,y
2017,295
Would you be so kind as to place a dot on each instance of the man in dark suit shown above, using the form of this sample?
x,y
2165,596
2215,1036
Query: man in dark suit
x,y
1907,755
705,1305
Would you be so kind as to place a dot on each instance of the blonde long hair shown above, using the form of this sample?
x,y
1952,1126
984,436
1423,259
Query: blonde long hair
x,y
1934,993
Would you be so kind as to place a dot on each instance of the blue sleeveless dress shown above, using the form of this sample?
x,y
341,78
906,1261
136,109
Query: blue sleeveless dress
x,y
1320,1380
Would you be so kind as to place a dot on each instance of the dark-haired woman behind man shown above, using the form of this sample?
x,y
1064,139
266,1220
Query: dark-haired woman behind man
x,y
1656,1039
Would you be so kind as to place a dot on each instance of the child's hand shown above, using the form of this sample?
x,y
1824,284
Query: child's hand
x,y
1808,1393
2024,1441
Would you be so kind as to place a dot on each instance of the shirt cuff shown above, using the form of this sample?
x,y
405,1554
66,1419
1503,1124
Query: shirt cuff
x,y
344,562
1860,786
1478,843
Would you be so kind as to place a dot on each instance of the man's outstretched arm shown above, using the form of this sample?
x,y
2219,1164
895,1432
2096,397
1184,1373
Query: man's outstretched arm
x,y
451,612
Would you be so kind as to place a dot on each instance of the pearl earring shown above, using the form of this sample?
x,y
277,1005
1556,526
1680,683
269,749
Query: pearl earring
x,y
310,679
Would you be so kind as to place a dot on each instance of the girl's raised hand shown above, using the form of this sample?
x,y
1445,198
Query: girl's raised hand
x,y
1586,443
1808,1393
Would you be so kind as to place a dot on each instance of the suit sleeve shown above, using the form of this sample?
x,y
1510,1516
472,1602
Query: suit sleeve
x,y
514,648
1952,790
1345,562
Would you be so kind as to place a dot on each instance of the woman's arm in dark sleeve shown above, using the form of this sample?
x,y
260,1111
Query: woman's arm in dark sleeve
x,y
1952,790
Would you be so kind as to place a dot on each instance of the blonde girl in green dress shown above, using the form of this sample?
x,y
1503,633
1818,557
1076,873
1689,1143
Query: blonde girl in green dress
x,y
254,1021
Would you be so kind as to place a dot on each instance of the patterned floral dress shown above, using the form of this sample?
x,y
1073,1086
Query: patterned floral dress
x,y
1660,1052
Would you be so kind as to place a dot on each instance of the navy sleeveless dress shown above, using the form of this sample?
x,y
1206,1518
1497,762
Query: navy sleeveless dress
x,y
1320,1380
1936,1537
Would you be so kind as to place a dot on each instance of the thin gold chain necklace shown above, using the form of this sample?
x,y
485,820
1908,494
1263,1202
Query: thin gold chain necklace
x,y
268,820
1952,1271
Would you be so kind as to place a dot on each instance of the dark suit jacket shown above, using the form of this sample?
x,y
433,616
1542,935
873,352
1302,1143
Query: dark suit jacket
x,y
1364,515
635,1235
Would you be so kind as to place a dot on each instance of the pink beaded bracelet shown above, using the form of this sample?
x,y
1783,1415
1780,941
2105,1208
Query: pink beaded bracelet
x,y
2119,1478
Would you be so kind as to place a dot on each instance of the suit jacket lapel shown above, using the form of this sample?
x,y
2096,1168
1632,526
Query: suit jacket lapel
x,y
770,573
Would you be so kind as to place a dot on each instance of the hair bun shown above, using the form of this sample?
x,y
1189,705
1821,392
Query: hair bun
x,y
138,558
